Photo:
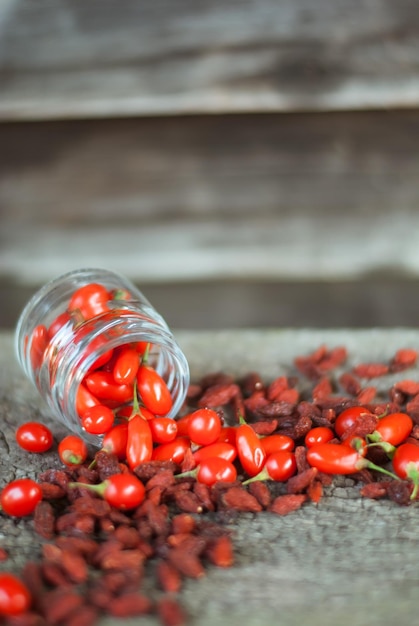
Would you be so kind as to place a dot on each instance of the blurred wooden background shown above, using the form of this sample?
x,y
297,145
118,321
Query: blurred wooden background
x,y
248,163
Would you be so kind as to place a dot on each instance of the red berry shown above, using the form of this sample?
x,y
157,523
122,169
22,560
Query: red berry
x,y
72,450
14,595
34,437
20,497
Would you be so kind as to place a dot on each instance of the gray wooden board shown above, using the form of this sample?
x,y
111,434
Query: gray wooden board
x,y
276,197
69,59
347,561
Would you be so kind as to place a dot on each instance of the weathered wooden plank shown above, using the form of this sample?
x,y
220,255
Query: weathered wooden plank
x,y
379,302
107,58
298,566
265,197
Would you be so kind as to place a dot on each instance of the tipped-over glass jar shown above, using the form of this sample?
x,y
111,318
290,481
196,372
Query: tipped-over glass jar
x,y
90,338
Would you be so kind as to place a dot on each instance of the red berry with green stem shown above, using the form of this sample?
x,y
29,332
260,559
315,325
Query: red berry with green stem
x,y
336,458
20,497
152,389
122,491
139,438
212,470
72,450
406,464
128,411
34,437
279,466
15,597
394,429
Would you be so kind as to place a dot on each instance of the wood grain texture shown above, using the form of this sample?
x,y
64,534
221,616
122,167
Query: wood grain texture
x,y
107,58
274,197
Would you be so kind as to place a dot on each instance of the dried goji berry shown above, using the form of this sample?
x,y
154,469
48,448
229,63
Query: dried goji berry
x,y
371,370
283,505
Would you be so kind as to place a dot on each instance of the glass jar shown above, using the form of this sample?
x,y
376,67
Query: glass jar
x,y
57,346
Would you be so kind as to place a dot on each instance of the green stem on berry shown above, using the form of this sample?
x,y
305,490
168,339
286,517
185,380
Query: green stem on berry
x,y
366,464
71,458
412,472
99,489
92,464
145,355
387,447
263,475
188,474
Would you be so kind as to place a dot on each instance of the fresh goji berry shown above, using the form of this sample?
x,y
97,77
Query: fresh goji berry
x,y
20,497
250,450
15,597
89,301
279,466
163,429
203,426
72,450
38,344
275,442
348,417
318,434
123,491
126,366
34,437
153,390
220,449
84,399
212,470
64,319
98,419
139,441
393,429
173,451
102,385
405,463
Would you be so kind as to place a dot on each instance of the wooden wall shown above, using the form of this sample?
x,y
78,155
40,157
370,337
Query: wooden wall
x,y
246,163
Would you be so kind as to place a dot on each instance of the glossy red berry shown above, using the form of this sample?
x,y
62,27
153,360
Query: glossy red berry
x,y
15,598
34,437
98,419
153,391
72,450
204,426
20,497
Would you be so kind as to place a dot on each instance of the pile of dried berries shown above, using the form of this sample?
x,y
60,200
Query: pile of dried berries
x,y
135,510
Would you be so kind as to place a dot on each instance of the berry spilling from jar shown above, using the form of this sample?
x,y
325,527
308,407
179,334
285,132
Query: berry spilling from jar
x,y
119,382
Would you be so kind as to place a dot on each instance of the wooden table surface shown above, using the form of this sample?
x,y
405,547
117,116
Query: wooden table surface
x,y
347,561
